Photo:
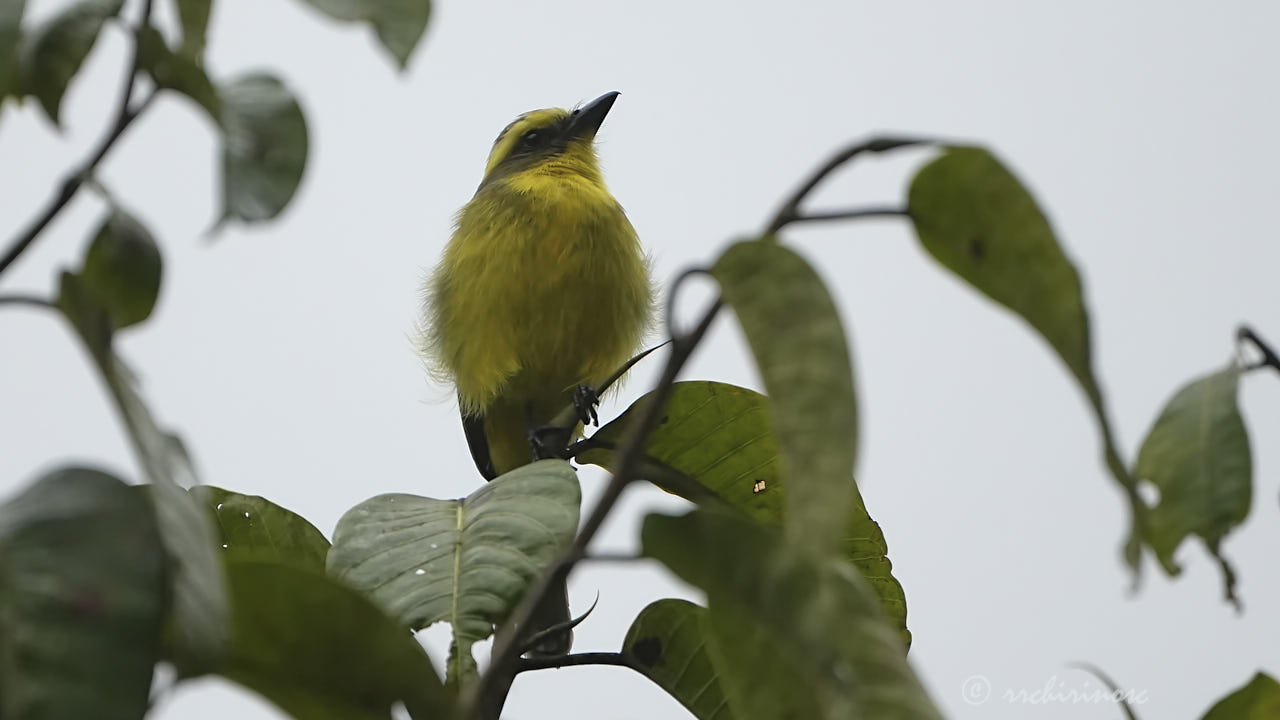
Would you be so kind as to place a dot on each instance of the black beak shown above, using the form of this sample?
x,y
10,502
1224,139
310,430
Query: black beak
x,y
587,119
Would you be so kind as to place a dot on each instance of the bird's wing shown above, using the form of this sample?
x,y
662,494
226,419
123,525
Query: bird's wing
x,y
473,428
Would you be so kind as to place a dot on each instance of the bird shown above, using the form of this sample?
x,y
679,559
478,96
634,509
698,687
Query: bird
x,y
542,292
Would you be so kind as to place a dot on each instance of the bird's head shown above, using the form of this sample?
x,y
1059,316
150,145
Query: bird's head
x,y
554,140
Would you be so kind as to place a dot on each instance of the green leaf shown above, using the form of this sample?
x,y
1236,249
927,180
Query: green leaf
x,y
82,599
468,561
793,629
669,642
399,24
1258,700
715,445
264,147
54,52
199,597
10,37
976,219
1197,454
252,527
180,72
122,270
322,651
799,345
194,16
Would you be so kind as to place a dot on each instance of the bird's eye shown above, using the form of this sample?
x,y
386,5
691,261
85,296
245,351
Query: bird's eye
x,y
531,137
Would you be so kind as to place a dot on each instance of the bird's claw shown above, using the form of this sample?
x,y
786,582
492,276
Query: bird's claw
x,y
585,401
550,441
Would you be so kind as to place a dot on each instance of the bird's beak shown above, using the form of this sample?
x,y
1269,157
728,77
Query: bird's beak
x,y
589,117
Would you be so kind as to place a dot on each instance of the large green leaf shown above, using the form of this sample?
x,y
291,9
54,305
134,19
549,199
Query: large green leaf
x,y
976,219
794,629
668,642
180,72
468,561
199,597
264,147
399,24
252,527
795,334
1197,454
10,35
122,270
322,651
82,599
54,51
714,445
1258,700
194,16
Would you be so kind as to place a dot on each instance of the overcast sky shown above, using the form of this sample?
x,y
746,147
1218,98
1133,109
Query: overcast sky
x,y
284,354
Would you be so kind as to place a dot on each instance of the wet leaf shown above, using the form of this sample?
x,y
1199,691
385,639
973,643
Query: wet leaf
x,y
254,528
82,599
264,147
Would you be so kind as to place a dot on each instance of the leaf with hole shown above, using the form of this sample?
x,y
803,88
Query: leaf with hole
x,y
668,643
254,528
773,605
82,599
53,53
399,24
322,651
122,270
715,445
264,147
799,344
466,562
976,219
1197,455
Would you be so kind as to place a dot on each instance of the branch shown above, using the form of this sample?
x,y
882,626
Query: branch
x,y
127,112
790,210
27,300
490,691
851,214
1269,357
590,658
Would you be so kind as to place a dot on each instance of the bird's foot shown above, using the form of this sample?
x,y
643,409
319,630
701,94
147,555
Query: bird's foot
x,y
550,441
585,401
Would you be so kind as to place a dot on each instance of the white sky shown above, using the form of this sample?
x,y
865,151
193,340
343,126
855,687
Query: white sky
x,y
283,354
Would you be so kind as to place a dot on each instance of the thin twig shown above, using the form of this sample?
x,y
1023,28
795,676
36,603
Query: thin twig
x,y
27,300
589,658
790,210
1269,357
126,113
852,214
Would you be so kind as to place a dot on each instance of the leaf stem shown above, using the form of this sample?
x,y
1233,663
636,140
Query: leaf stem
x,y
1269,357
790,210
27,300
126,113
849,214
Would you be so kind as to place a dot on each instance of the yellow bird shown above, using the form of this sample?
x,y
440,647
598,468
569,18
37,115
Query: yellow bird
x,y
542,293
